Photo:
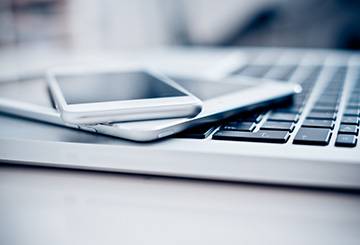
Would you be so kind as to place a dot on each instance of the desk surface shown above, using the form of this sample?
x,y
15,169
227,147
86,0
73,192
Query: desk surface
x,y
56,206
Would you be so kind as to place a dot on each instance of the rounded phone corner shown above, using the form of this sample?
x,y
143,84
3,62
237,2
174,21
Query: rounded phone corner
x,y
69,117
198,107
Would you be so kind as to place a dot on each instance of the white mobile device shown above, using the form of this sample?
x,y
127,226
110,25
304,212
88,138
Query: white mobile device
x,y
84,95
221,99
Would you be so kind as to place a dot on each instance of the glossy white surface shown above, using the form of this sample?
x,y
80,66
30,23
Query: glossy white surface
x,y
53,206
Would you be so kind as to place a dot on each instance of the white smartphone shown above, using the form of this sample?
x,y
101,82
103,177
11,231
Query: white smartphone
x,y
224,98
84,95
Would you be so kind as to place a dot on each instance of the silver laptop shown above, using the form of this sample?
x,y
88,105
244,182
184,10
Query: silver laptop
x,y
312,141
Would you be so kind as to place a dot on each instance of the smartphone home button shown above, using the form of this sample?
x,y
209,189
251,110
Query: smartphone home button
x,y
166,133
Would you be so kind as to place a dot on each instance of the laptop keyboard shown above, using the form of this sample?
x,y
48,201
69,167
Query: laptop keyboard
x,y
323,111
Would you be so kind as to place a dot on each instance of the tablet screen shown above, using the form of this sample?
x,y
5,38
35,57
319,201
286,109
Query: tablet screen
x,y
205,90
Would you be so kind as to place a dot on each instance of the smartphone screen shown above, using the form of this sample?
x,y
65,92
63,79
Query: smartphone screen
x,y
35,90
105,87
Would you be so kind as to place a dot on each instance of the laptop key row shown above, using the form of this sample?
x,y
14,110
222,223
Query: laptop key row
x,y
281,119
277,125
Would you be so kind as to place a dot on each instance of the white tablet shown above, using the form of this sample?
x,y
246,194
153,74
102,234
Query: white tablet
x,y
221,99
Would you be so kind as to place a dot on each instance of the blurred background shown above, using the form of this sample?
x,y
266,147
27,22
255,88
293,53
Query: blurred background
x,y
96,25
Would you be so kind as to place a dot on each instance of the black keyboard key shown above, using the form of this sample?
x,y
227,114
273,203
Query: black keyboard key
x,y
322,115
298,100
348,129
335,88
284,117
273,125
325,97
200,132
252,118
312,136
351,112
315,123
353,105
326,103
239,126
319,108
354,101
295,109
331,92
346,140
260,136
350,120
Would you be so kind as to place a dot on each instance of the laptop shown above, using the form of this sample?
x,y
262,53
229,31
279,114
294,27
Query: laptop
x,y
311,142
